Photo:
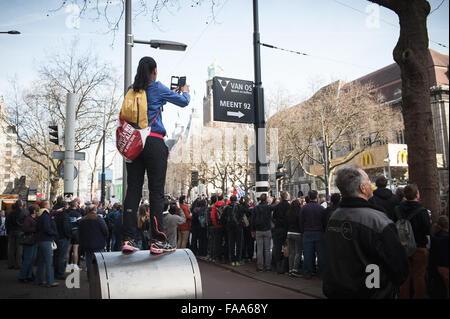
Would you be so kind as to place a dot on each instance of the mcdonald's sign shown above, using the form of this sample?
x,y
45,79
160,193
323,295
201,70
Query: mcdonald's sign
x,y
366,159
402,157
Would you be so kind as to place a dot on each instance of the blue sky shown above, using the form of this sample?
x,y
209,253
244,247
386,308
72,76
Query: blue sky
x,y
343,37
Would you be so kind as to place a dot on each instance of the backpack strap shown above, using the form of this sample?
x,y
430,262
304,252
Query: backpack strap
x,y
414,213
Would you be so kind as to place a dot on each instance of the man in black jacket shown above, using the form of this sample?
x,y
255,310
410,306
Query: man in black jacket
x,y
279,232
13,223
261,230
64,227
233,217
421,226
363,254
93,234
384,198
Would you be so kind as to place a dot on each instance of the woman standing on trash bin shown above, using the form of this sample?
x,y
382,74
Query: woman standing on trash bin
x,y
153,159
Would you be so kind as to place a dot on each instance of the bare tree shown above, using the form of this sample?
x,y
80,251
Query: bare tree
x,y
338,119
43,103
412,55
112,12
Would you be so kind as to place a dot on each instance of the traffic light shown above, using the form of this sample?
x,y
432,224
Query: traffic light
x,y
279,174
194,178
57,132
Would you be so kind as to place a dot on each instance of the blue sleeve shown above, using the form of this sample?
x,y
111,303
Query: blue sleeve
x,y
173,97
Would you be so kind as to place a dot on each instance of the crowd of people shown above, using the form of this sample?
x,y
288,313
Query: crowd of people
x,y
57,238
302,236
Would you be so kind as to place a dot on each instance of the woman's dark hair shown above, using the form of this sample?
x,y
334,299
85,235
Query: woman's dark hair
x,y
60,201
335,199
202,203
17,205
182,199
293,211
400,193
213,199
145,68
173,208
33,209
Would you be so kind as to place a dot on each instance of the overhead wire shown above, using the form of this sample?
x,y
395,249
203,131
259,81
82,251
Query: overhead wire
x,y
390,23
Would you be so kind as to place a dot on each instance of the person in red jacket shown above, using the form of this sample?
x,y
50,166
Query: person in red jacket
x,y
219,231
184,229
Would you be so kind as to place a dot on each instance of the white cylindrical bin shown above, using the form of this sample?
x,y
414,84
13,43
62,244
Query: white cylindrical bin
x,y
139,275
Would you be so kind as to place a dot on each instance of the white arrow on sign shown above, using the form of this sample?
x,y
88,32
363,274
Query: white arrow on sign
x,y
238,114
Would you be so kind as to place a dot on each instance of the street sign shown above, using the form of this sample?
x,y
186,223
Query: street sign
x,y
233,100
79,156
61,172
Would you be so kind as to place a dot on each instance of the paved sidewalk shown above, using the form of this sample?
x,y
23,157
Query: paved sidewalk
x,y
12,288
311,287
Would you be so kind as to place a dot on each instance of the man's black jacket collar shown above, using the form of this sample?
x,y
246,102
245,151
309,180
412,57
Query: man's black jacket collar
x,y
357,202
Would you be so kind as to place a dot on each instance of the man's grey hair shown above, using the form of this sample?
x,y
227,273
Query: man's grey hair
x,y
348,179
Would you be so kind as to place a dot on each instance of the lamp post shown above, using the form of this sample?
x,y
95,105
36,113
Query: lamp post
x,y
261,182
10,32
129,42
325,156
102,196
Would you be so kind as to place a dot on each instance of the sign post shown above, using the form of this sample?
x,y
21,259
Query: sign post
x,y
233,100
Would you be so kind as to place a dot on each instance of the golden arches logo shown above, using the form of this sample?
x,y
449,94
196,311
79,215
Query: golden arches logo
x,y
366,159
402,157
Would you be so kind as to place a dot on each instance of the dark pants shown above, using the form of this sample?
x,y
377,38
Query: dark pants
x,y
89,257
44,262
199,241
3,247
235,244
279,238
219,234
61,256
29,258
210,234
203,242
312,246
153,159
418,263
14,250
249,244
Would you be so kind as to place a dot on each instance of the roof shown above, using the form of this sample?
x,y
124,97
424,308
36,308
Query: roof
x,y
388,79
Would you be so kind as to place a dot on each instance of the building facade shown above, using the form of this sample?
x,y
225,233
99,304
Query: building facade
x,y
9,159
390,157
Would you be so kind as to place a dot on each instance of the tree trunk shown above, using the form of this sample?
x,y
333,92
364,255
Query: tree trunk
x,y
412,55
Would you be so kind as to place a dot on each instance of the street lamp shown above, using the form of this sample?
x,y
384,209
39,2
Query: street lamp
x,y
164,45
102,194
129,43
10,32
